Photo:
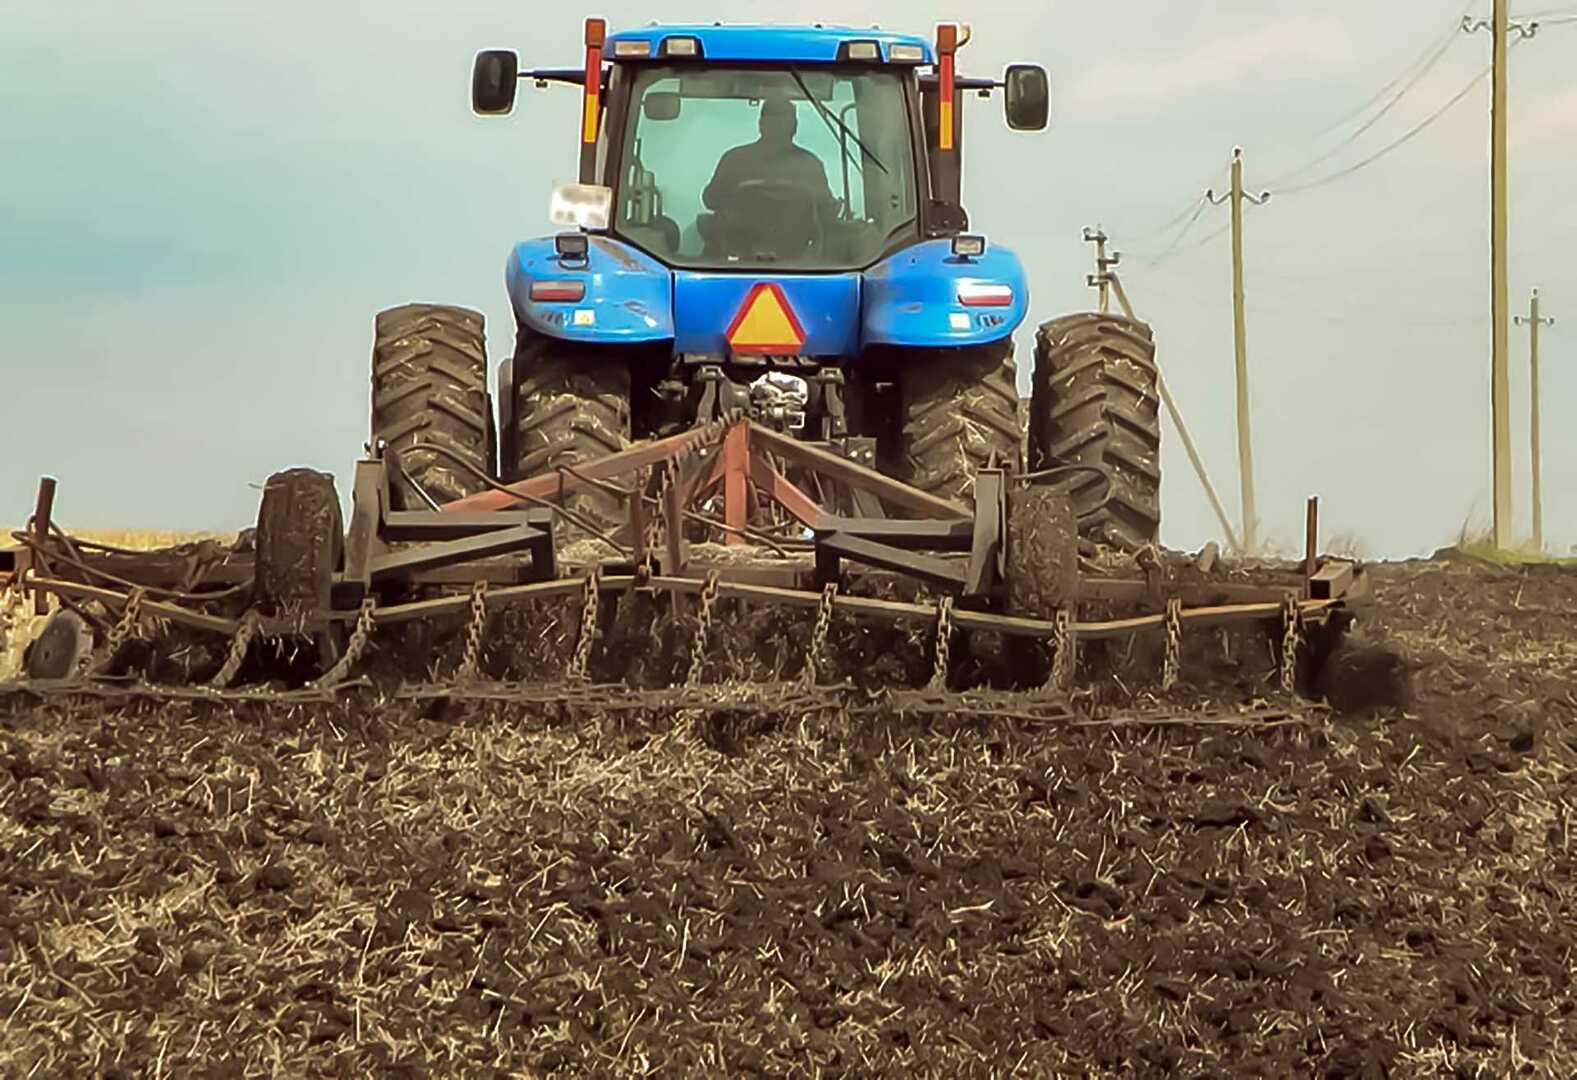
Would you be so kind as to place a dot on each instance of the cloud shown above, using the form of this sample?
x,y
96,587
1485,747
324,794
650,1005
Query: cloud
x,y
1135,85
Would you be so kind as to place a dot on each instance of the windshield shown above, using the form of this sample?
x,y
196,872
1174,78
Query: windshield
x,y
749,168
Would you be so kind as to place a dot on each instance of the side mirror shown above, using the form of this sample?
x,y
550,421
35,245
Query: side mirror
x,y
493,80
661,105
1028,98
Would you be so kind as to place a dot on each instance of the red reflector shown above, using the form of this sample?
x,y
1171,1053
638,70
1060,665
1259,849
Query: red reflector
x,y
596,33
558,292
985,295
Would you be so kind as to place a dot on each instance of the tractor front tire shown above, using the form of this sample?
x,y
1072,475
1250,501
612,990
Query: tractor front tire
x,y
1096,402
572,404
429,386
960,408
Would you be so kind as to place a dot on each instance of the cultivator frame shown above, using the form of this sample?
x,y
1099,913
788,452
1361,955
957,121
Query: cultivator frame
x,y
505,546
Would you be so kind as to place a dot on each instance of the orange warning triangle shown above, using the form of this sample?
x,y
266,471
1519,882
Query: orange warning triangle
x,y
766,325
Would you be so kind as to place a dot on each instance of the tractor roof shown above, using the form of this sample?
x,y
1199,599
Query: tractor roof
x,y
770,44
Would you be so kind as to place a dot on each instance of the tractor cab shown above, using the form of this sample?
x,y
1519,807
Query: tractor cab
x,y
759,168
757,148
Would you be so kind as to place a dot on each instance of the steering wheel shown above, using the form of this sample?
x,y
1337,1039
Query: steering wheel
x,y
777,215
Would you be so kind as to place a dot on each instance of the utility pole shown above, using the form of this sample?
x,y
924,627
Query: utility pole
x,y
1240,346
1103,265
1106,280
1500,27
1533,321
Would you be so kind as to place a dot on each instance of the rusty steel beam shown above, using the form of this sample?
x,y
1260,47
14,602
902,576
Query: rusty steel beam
x,y
933,535
426,526
113,599
548,485
1311,537
676,552
787,494
990,535
43,511
1333,581
736,473
399,565
637,520
831,550
856,475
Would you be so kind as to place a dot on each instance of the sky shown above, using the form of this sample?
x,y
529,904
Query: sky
x,y
203,203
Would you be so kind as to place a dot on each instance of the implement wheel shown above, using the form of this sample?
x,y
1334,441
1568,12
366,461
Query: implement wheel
x,y
1042,551
300,546
429,385
1096,402
960,407
572,403
300,542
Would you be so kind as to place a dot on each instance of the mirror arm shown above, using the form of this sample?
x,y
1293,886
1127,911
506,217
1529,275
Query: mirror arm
x,y
567,76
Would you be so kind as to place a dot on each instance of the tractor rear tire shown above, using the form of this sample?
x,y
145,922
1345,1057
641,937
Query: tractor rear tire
x,y
1096,402
960,408
429,385
572,404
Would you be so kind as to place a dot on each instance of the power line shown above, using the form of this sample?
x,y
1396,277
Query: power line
x,y
1427,58
1169,255
1201,204
1395,144
1439,50
1159,232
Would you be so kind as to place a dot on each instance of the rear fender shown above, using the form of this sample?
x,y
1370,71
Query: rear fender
x,y
912,298
629,295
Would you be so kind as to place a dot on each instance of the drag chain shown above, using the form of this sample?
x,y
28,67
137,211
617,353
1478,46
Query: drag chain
x,y
580,663
120,632
1172,664
238,649
353,650
944,644
1291,640
1064,646
471,660
818,636
703,629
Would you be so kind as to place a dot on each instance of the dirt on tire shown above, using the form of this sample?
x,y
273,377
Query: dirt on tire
x,y
960,409
299,542
1042,552
429,385
1095,401
413,889
572,404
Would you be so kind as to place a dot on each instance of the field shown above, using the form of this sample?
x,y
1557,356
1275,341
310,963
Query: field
x,y
372,888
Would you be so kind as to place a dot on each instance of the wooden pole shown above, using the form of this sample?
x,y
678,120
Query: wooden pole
x,y
1533,422
1534,322
1500,381
1240,348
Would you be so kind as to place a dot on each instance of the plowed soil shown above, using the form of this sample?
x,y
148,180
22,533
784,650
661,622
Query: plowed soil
x,y
374,889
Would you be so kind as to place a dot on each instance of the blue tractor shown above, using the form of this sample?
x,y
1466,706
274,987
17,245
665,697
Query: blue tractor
x,y
767,220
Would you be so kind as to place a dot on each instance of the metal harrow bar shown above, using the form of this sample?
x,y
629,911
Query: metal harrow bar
x,y
1062,634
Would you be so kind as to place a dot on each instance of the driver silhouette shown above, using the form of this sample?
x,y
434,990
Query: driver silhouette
x,y
774,157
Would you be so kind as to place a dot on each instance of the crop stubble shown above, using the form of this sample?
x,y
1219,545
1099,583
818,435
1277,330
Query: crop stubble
x,y
414,889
